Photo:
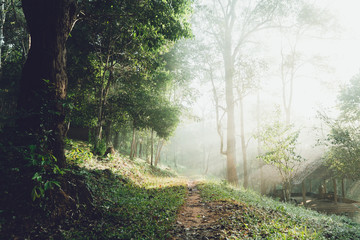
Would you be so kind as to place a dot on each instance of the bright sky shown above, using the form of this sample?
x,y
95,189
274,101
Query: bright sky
x,y
317,87
343,56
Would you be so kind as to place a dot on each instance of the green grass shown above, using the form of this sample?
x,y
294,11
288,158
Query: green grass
x,y
136,200
263,218
130,211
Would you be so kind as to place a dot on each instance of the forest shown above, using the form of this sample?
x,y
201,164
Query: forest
x,y
186,119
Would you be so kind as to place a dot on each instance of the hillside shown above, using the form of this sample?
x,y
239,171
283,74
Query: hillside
x,y
118,198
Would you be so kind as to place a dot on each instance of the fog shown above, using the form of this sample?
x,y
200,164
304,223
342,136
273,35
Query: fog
x,y
325,54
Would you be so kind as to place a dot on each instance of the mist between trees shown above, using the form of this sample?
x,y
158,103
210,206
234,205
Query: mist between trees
x,y
239,90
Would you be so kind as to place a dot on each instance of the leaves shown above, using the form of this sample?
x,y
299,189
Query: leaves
x,y
343,139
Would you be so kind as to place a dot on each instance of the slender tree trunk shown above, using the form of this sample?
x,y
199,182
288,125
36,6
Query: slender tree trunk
x,y
43,83
108,133
136,148
160,145
287,191
133,142
303,192
243,144
343,194
140,148
98,131
207,164
152,147
147,149
262,179
335,191
116,140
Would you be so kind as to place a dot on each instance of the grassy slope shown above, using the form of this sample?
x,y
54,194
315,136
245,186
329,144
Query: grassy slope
x,y
132,200
264,218
141,202
137,201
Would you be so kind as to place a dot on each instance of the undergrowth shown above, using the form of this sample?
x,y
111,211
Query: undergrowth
x,y
101,197
113,197
137,201
264,218
129,211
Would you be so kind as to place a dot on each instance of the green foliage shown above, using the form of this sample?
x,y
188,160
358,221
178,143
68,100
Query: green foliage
x,y
99,148
343,149
278,142
118,65
47,169
349,100
77,153
343,140
135,199
135,212
264,218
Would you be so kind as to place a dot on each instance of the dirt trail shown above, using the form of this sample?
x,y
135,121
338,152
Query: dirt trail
x,y
198,219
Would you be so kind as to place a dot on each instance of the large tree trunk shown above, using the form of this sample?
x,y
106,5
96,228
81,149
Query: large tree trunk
x,y
231,142
44,81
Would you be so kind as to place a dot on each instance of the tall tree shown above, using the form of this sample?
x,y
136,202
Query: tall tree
x,y
343,140
231,24
126,53
44,81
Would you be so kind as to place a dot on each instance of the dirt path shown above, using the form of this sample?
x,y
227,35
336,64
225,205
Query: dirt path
x,y
198,219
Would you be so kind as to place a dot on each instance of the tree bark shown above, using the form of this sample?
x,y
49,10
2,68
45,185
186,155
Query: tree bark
x,y
207,164
287,191
140,148
157,157
303,192
243,144
229,88
343,194
116,140
43,83
133,142
108,133
335,191
152,147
